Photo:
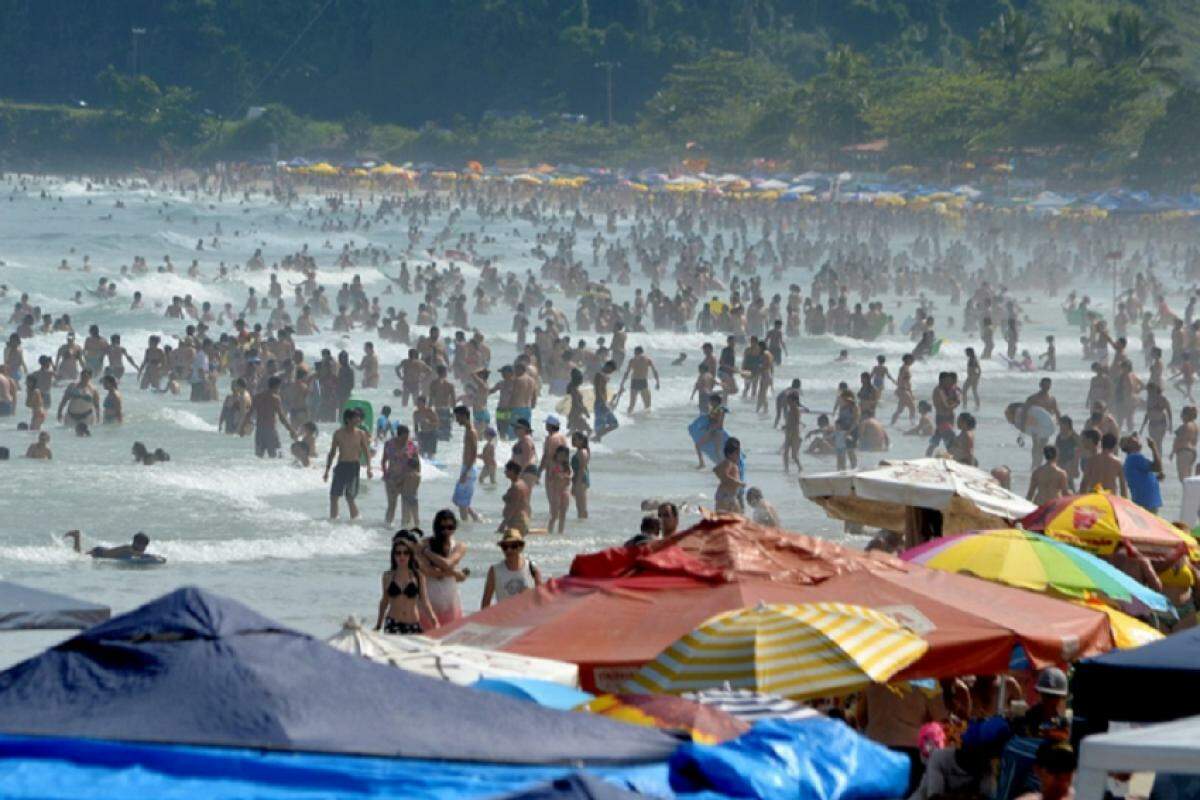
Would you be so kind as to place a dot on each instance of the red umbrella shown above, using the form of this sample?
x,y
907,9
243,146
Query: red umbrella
x,y
613,625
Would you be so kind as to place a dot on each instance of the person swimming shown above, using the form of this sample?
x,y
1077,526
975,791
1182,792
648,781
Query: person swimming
x,y
134,551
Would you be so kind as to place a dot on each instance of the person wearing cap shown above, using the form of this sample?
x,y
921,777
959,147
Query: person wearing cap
x,y
554,440
1142,474
1047,712
1054,767
513,574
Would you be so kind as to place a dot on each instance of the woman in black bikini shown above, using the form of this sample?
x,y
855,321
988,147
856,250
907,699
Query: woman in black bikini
x,y
404,597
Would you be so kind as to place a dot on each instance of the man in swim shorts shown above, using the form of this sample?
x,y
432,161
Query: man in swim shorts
x,y
352,446
266,407
640,368
464,490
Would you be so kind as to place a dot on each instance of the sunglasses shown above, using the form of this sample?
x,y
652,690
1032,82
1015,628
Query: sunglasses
x,y
513,546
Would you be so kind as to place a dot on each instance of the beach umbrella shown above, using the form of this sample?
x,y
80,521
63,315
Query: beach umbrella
x,y
797,651
23,609
1100,521
750,706
323,168
1127,632
967,497
456,663
544,693
700,723
620,608
1032,561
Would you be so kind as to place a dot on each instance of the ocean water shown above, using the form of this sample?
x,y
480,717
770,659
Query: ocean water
x,y
256,530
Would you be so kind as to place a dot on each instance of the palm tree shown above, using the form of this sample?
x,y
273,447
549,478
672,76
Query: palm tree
x,y
1009,45
1127,39
1070,34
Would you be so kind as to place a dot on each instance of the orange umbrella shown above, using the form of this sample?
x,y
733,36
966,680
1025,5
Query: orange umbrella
x,y
1099,521
620,608
701,723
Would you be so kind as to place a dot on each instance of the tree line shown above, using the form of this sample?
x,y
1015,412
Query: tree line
x,y
1099,85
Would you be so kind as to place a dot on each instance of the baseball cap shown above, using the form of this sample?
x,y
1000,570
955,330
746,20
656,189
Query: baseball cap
x,y
552,421
1052,681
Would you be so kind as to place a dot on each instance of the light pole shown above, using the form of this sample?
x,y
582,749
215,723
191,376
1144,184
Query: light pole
x,y
608,67
135,34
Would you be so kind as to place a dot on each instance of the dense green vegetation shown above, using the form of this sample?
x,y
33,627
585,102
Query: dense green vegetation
x,y
1096,86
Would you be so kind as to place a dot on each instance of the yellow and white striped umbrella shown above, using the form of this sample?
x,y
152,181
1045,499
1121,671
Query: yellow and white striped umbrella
x,y
796,651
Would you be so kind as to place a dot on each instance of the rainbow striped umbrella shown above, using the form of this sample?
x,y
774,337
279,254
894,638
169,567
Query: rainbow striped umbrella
x,y
1032,561
795,651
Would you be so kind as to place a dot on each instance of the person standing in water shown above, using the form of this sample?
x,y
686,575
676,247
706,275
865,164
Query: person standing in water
x,y
640,367
514,574
264,410
405,597
464,490
440,557
351,446
729,481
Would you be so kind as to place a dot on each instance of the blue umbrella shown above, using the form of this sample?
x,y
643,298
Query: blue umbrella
x,y
544,693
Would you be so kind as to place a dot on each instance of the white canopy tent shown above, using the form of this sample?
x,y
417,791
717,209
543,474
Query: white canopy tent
x,y
967,497
1170,748
458,664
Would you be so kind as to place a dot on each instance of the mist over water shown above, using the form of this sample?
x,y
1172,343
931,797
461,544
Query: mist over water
x,y
257,529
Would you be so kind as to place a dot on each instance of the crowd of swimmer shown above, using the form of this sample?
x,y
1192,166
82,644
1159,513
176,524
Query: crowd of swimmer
x,y
709,263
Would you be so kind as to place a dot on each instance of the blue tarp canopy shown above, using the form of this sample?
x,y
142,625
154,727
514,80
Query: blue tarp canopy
x,y
22,608
51,768
576,786
195,668
778,759
1165,674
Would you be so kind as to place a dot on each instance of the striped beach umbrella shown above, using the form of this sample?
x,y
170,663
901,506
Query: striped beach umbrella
x,y
1034,562
795,651
750,706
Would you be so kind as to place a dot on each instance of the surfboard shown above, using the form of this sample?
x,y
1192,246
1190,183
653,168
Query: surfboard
x,y
368,418
134,562
563,406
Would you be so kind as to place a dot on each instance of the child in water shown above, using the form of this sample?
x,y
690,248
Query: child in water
x,y
488,457
304,449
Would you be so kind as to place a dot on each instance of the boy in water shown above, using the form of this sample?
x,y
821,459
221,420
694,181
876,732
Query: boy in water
x,y
488,457
924,426
304,449
352,446
1049,358
1049,481
41,448
134,549
1067,445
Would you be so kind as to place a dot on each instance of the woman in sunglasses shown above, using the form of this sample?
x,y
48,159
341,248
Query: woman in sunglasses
x,y
404,597
440,556
514,574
